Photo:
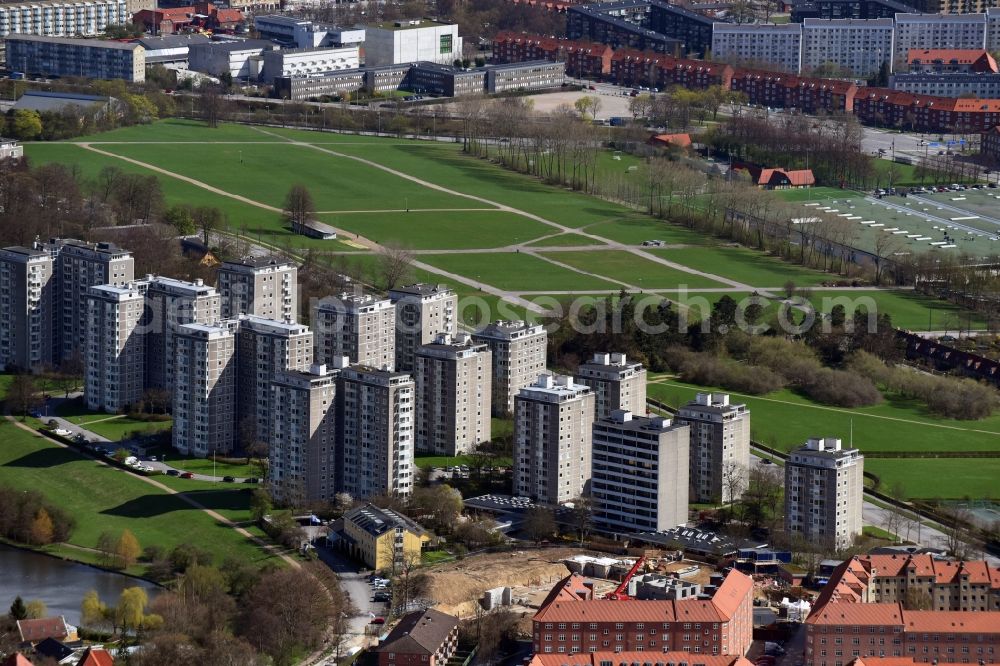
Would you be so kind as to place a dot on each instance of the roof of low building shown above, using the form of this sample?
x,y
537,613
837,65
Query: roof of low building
x,y
377,521
420,633
34,631
640,658
40,100
50,647
96,657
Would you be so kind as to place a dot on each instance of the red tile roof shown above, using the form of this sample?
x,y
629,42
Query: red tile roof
x,y
96,657
572,601
857,614
681,140
16,660
954,622
957,56
33,631
631,658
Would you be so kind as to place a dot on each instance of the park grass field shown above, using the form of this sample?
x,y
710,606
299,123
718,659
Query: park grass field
x,y
104,498
516,271
746,266
815,194
938,478
627,268
784,420
565,240
633,229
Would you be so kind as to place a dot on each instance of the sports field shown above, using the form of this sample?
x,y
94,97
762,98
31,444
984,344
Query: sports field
x,y
495,236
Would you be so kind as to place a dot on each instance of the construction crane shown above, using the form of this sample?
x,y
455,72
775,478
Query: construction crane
x,y
619,594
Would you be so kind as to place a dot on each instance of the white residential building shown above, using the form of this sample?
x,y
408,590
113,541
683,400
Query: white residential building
x,y
405,40
639,480
824,492
857,45
375,426
719,454
423,311
937,31
759,44
308,62
361,327
262,286
519,351
302,454
453,395
62,18
26,308
618,384
115,358
205,389
553,421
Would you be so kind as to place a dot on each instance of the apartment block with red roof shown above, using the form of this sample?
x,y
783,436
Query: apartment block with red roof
x,y
572,620
582,58
951,60
637,659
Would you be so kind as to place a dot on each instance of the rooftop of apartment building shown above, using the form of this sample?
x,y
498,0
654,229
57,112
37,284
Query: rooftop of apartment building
x,y
219,330
378,521
922,621
252,262
135,289
612,361
26,252
170,41
265,325
819,448
940,18
421,289
554,388
449,346
847,22
101,247
573,598
175,286
711,403
623,420
503,329
757,27
373,375
637,659
354,302
68,41
408,24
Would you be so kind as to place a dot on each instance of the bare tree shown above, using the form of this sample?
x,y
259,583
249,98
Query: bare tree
x,y
299,205
395,266
210,104
23,395
885,246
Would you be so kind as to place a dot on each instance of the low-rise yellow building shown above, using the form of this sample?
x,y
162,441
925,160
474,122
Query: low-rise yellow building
x,y
382,539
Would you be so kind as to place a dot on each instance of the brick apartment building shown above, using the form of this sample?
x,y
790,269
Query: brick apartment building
x,y
637,659
572,620
631,67
583,58
811,95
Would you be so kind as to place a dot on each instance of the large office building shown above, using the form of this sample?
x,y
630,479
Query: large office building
x,y
205,389
759,45
171,303
84,58
518,350
115,358
720,447
308,62
302,439
916,32
639,473
423,311
375,430
264,348
304,34
361,327
262,286
553,421
406,41
453,387
62,18
824,487
26,308
617,384
239,59
858,46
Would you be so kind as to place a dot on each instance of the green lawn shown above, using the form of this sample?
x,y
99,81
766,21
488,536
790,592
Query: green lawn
x,y
743,265
417,230
944,478
5,381
176,129
815,194
634,229
114,427
631,269
427,461
104,498
909,309
207,467
785,420
516,271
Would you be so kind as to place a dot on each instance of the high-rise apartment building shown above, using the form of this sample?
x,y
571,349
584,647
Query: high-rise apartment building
x,y
302,439
361,327
720,447
518,350
824,487
934,31
78,266
26,308
205,389
115,359
617,384
262,286
422,312
765,45
171,303
553,421
453,386
859,46
265,347
85,58
639,477
375,424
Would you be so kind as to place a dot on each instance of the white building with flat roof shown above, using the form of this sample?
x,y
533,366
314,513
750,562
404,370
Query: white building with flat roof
x,y
518,350
759,44
308,62
857,45
62,18
719,454
407,40
115,349
617,382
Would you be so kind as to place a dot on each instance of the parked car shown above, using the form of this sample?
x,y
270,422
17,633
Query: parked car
x,y
187,475
173,472
62,432
251,479
378,620
229,479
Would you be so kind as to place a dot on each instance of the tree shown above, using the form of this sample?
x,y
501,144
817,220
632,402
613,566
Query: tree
x,y
130,613
208,219
299,205
181,219
285,614
23,395
539,523
25,124
36,609
127,549
17,609
640,106
582,517
41,528
588,104
210,104
93,612
395,266
260,504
